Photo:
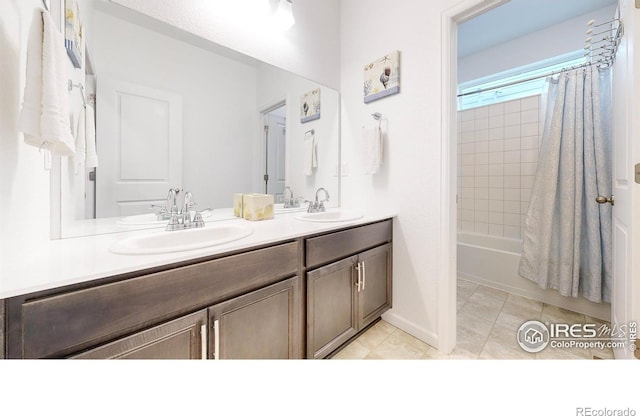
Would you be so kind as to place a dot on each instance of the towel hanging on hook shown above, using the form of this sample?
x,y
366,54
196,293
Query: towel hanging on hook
x,y
371,151
44,116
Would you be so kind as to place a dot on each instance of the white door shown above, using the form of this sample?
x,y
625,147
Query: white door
x,y
275,155
625,303
139,140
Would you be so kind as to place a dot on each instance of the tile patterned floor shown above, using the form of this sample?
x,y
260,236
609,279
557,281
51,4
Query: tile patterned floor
x,y
488,320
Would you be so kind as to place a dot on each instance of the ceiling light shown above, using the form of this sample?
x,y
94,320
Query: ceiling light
x,y
284,15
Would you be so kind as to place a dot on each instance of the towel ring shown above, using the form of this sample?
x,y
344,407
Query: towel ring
x,y
378,116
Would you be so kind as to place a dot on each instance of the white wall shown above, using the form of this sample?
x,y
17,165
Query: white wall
x,y
410,178
553,41
218,96
275,85
311,48
24,204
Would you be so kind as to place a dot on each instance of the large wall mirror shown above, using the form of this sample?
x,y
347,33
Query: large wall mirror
x,y
176,111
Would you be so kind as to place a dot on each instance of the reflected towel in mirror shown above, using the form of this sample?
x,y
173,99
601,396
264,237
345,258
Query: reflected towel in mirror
x,y
309,155
86,140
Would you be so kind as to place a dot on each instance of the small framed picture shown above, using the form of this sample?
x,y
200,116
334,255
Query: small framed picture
x,y
310,106
382,77
73,32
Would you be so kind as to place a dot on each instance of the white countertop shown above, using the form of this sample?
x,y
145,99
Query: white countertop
x,y
57,263
110,225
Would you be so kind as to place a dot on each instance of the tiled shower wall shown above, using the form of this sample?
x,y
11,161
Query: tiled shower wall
x,y
497,158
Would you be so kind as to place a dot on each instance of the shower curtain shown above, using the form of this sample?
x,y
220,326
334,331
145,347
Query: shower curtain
x,y
567,235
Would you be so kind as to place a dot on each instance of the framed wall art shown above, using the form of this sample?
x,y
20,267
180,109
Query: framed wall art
x,y
382,77
310,106
73,32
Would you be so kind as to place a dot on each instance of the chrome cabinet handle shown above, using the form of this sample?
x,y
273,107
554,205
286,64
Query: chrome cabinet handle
x,y
364,276
359,276
203,341
216,339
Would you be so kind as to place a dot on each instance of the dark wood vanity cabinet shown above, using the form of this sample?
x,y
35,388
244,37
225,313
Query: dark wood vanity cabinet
x,y
296,299
346,295
151,314
331,311
263,324
374,297
2,326
182,338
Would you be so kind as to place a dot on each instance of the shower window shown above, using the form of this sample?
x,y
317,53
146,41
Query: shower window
x,y
507,85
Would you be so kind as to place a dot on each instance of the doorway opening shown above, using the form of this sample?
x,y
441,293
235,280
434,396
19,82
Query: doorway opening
x,y
275,139
495,218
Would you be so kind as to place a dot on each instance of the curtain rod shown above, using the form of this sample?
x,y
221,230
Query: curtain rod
x,y
508,84
607,56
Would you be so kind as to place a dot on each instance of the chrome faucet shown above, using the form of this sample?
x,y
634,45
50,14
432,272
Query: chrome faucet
x,y
318,205
181,217
186,214
163,212
171,200
290,202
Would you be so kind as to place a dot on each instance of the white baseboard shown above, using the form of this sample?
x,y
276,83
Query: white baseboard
x,y
409,327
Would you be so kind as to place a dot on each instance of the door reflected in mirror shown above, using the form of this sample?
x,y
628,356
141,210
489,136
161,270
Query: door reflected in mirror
x,y
275,144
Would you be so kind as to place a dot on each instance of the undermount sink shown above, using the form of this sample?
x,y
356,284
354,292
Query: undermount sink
x,y
150,219
337,215
172,241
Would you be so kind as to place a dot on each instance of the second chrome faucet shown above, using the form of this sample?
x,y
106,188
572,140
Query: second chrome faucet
x,y
180,211
318,205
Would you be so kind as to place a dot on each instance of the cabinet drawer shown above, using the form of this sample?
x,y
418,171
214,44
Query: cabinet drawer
x,y
330,247
65,323
182,338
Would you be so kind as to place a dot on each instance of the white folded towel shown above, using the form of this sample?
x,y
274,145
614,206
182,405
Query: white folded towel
x,y
86,140
79,157
91,158
44,118
371,150
309,156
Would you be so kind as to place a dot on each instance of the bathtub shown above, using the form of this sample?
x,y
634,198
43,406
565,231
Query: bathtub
x,y
493,261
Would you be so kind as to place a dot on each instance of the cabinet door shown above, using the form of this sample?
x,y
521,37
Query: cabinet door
x,y
183,338
262,324
331,317
374,296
